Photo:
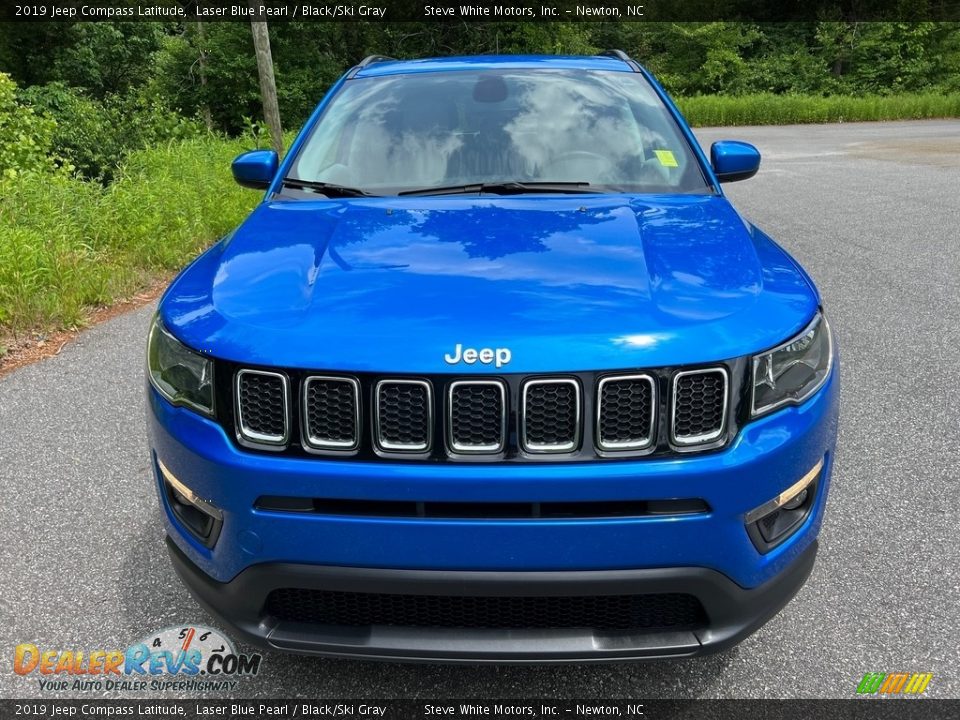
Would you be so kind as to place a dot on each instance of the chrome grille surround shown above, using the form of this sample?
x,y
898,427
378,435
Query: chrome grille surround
x,y
686,440
390,446
576,416
313,442
244,431
627,445
557,447
476,449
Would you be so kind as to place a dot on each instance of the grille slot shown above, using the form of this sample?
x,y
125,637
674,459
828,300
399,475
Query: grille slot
x,y
262,401
404,415
674,611
477,416
482,510
331,413
551,416
699,406
626,409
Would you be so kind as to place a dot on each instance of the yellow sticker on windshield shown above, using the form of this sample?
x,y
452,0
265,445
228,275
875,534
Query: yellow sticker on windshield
x,y
666,158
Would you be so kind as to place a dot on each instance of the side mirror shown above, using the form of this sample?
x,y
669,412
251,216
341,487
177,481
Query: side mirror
x,y
733,160
255,169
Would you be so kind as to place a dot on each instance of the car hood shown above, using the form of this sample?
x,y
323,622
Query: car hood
x,y
565,282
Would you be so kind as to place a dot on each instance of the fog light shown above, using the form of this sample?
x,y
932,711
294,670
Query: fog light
x,y
201,517
797,501
777,519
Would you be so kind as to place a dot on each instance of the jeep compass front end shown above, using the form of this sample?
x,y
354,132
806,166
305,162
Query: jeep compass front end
x,y
493,373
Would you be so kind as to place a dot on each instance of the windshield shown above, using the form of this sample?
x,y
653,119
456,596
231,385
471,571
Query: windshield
x,y
391,134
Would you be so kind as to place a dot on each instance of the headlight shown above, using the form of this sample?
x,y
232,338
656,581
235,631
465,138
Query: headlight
x,y
182,376
794,371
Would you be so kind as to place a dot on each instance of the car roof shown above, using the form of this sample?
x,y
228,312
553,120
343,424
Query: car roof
x,y
380,67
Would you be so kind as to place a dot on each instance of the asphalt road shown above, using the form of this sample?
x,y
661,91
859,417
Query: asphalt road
x,y
871,210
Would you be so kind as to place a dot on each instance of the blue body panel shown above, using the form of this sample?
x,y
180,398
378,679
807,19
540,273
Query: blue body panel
x,y
569,283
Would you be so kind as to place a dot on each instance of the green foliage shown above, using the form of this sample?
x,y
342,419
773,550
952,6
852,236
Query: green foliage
x,y
887,57
25,137
84,139
66,245
109,58
699,57
769,109
228,70
92,137
103,58
824,58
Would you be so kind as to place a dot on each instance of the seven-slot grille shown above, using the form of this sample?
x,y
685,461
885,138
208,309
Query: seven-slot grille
x,y
477,415
262,407
699,406
331,413
404,415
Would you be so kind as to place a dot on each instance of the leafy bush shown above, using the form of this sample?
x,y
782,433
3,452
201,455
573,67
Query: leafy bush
x,y
142,119
25,137
83,139
66,245
92,137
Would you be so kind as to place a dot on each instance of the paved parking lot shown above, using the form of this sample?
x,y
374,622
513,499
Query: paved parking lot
x,y
871,210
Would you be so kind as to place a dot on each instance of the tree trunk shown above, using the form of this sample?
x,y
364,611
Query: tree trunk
x,y
268,85
205,107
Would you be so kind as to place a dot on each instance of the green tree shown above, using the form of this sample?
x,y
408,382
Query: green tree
x,y
102,57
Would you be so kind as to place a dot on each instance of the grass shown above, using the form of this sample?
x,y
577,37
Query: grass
x,y
767,109
68,245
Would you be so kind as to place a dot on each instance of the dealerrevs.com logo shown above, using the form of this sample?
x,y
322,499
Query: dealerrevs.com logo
x,y
184,658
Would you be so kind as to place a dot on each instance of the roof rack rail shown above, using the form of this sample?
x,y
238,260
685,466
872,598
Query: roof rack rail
x,y
369,60
621,55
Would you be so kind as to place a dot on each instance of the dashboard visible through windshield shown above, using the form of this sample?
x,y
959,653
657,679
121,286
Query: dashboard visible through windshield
x,y
411,133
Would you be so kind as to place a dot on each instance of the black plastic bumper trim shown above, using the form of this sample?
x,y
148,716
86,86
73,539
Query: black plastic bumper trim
x,y
481,510
733,612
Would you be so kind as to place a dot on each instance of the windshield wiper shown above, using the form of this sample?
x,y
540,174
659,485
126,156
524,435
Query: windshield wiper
x,y
328,189
505,188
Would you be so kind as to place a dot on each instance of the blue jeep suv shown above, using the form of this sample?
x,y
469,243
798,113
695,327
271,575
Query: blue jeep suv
x,y
493,373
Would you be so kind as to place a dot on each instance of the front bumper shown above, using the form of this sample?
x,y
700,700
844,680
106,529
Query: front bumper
x,y
709,555
734,612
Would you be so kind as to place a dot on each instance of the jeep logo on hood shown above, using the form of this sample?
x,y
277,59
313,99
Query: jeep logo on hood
x,y
498,356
